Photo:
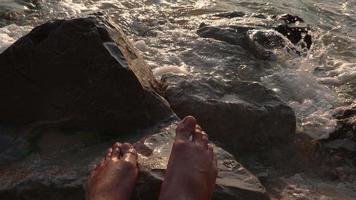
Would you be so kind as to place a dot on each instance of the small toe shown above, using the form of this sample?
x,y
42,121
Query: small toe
x,y
129,154
116,152
125,147
116,145
108,154
205,139
215,161
198,135
198,128
186,128
211,150
94,170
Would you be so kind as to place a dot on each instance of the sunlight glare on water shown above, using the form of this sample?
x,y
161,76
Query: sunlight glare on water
x,y
165,31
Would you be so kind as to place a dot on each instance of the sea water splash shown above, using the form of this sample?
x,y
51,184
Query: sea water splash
x,y
9,34
165,32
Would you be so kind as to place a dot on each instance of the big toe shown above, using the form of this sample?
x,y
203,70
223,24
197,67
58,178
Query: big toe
x,y
186,128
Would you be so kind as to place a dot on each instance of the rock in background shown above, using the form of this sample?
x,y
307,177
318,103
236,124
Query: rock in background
x,y
81,71
84,74
242,116
284,32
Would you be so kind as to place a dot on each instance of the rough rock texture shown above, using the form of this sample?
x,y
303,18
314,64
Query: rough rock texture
x,y
346,117
82,71
260,40
60,166
236,35
344,136
340,147
239,115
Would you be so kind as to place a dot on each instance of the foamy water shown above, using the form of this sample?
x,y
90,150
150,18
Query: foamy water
x,y
165,32
9,34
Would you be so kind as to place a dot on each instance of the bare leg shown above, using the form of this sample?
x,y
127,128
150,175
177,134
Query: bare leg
x,y
115,176
191,171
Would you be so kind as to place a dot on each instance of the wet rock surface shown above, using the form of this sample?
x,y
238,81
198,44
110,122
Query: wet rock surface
x,y
82,72
339,150
242,116
72,88
261,40
61,164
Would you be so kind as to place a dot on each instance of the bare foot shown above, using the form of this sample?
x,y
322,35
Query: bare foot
x,y
115,176
191,171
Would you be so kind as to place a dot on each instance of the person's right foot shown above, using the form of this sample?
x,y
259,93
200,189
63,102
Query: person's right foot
x,y
191,171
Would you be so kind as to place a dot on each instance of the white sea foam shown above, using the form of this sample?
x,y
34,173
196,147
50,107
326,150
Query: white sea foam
x,y
175,48
343,73
9,34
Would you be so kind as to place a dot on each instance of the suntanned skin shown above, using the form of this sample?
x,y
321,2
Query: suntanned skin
x,y
115,176
190,175
192,169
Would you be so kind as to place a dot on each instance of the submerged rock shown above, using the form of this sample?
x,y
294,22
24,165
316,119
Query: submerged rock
x,y
241,116
289,19
235,35
84,72
60,168
346,125
342,142
284,32
232,14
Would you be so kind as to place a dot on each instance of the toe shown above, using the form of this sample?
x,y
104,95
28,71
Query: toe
x,y
94,170
215,161
116,150
205,139
124,148
198,128
211,151
186,128
108,154
129,154
198,135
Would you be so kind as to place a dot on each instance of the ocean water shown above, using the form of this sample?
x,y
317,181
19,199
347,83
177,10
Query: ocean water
x,y
165,32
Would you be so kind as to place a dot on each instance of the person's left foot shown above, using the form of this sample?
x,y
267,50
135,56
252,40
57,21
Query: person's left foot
x,y
115,176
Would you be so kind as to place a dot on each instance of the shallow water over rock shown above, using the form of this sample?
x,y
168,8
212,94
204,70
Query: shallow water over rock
x,y
242,116
166,34
59,167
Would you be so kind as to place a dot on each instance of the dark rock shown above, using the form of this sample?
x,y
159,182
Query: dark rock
x,y
339,150
259,15
292,29
346,123
344,144
233,182
288,18
296,34
231,34
12,147
254,38
268,39
241,116
83,71
344,136
235,35
61,167
235,14
230,15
